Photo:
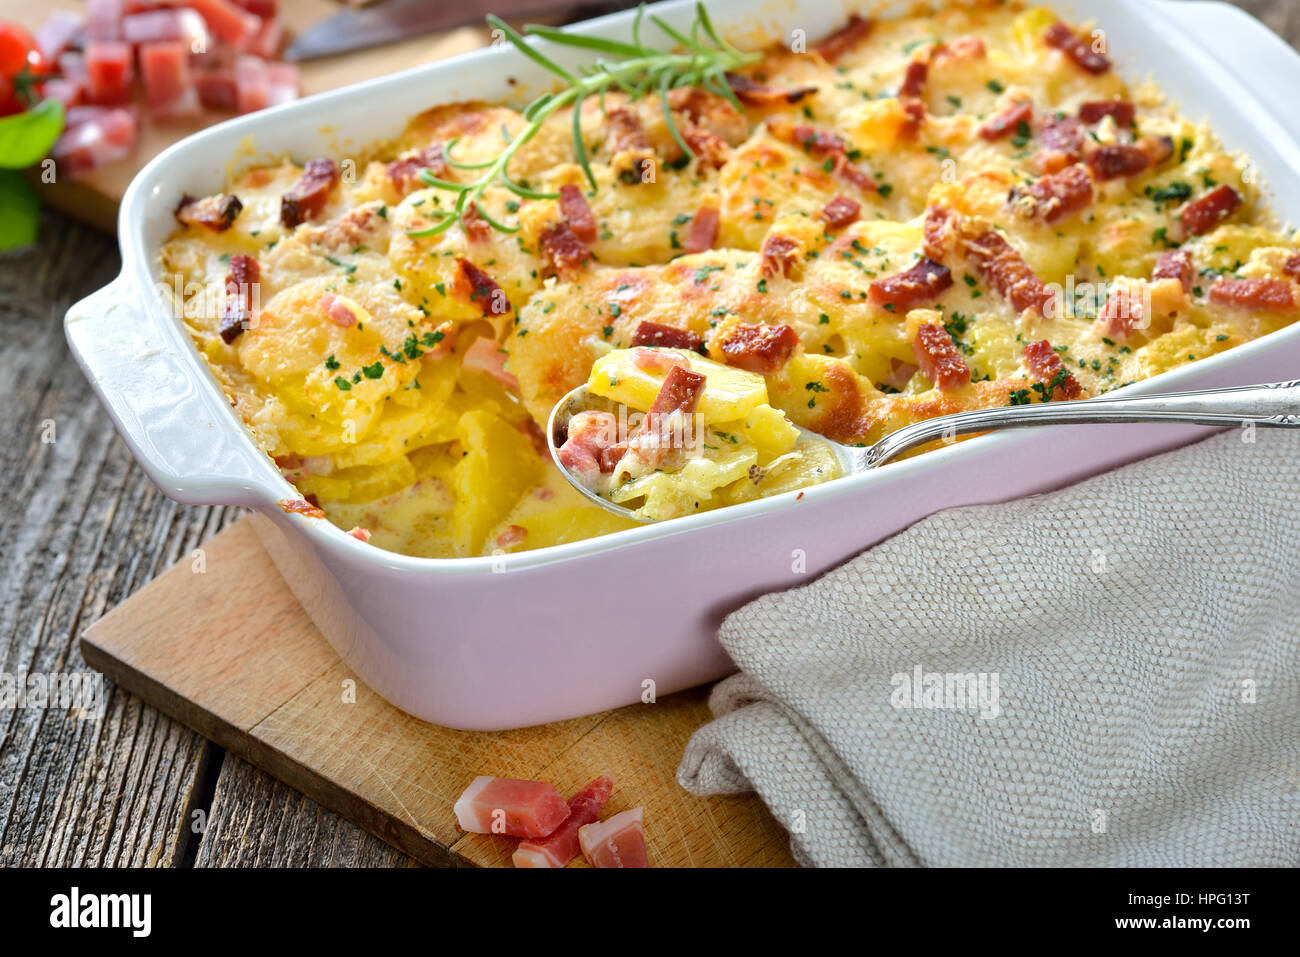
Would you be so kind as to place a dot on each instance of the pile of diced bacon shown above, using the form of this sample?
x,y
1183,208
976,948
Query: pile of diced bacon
x,y
553,831
188,56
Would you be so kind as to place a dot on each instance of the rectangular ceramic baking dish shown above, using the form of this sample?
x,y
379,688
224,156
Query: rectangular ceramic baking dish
x,y
491,643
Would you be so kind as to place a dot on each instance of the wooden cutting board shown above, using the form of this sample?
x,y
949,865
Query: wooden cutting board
x,y
220,643
94,198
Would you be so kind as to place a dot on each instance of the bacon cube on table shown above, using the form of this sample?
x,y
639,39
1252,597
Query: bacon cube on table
x,y
530,809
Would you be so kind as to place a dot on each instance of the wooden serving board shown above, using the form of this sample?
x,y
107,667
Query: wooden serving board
x,y
219,642
94,198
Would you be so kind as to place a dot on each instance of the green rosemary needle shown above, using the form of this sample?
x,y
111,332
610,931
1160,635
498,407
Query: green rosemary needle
x,y
701,59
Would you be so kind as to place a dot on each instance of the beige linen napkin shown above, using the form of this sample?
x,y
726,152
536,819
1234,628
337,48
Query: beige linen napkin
x,y
1131,651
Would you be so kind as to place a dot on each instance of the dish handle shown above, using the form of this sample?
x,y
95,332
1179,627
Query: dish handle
x,y
191,446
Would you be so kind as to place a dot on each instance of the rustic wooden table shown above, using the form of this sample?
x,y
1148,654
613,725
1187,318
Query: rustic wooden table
x,y
83,528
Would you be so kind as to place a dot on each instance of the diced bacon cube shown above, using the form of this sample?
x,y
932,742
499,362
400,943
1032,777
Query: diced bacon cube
x,y
231,24
252,84
57,33
939,359
486,357
154,26
1045,365
577,213
1008,121
562,845
756,347
72,66
1206,212
1270,294
65,91
104,20
668,337
217,89
283,83
1076,48
264,9
1003,267
921,284
589,436
564,252
841,211
1094,111
268,40
108,72
1175,264
618,842
844,39
704,229
518,808
481,289
1056,196
169,88
103,139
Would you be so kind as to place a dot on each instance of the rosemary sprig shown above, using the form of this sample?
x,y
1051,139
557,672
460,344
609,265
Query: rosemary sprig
x,y
703,59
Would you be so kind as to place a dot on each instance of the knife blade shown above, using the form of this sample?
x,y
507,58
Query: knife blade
x,y
392,20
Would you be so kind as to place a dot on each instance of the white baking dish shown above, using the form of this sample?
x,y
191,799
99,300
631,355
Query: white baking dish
x,y
490,643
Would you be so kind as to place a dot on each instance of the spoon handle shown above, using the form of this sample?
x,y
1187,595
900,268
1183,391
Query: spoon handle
x,y
1273,405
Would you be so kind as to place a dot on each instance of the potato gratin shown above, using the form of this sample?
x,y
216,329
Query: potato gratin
x,y
907,219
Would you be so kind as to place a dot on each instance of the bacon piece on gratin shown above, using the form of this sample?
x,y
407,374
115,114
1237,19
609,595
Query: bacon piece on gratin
x,y
750,91
1002,266
217,213
487,357
241,282
907,290
1123,112
780,256
1076,48
1045,365
589,446
404,173
841,211
562,845
1175,264
1060,144
1204,213
306,199
577,213
530,809
565,253
481,289
1008,121
757,347
938,358
844,39
1054,197
657,442
669,337
703,232
1272,294
617,842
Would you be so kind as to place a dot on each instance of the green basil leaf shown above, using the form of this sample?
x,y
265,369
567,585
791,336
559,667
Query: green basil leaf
x,y
26,138
22,209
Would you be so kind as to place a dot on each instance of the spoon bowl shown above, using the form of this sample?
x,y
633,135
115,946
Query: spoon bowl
x,y
1271,405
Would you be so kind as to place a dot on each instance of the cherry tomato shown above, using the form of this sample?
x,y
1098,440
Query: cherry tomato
x,y
17,49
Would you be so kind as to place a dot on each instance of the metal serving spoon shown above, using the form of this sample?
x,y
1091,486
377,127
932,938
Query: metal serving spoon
x,y
1272,405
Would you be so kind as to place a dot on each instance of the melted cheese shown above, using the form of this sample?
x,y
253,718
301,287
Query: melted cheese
x,y
385,425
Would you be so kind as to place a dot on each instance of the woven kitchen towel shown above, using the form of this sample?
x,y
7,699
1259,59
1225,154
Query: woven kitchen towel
x,y
1129,654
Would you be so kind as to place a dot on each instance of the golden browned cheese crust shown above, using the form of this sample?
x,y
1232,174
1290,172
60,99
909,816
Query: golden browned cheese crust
x,y
399,379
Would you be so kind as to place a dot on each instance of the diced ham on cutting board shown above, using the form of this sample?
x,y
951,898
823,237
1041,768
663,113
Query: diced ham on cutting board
x,y
517,808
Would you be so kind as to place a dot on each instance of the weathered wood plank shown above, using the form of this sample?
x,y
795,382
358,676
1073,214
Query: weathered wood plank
x,y
83,529
259,822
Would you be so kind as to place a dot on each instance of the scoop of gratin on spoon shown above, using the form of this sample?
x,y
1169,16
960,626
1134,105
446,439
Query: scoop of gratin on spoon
x,y
1272,405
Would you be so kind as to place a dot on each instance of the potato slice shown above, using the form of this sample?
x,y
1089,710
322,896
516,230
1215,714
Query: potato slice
x,y
729,393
